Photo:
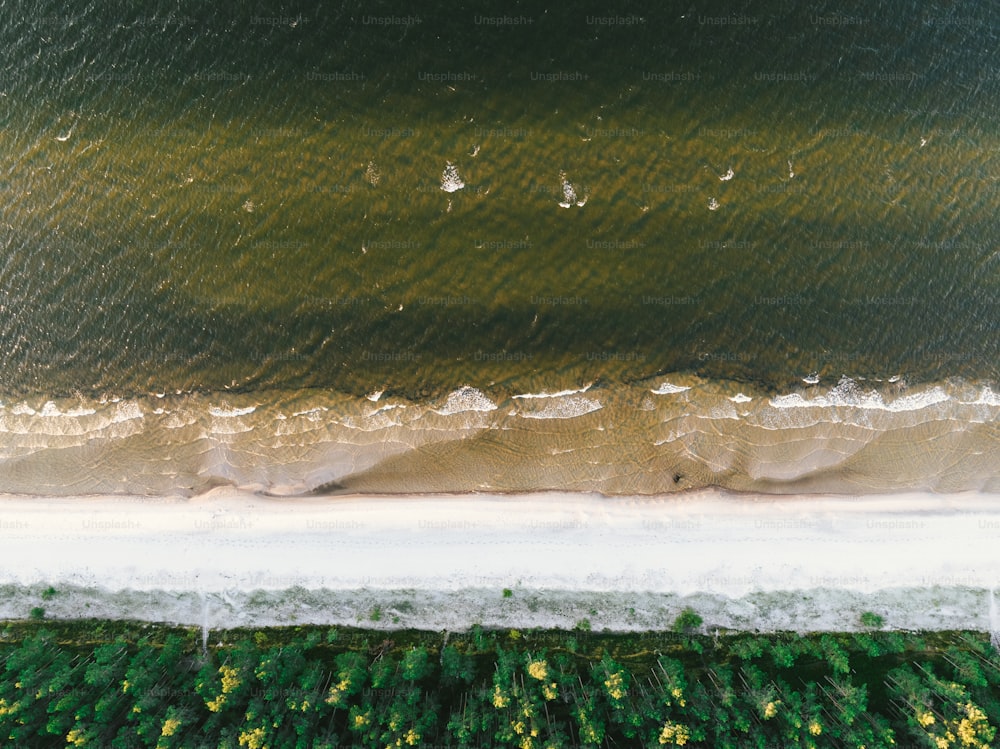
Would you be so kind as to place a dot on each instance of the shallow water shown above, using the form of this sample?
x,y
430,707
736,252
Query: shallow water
x,y
662,435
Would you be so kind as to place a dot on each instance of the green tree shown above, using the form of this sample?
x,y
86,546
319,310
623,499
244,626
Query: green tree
x,y
966,667
90,698
53,691
456,666
362,722
382,672
938,711
277,710
850,721
871,620
154,680
687,621
723,697
590,726
350,678
747,647
835,655
416,664
782,653
473,719
893,643
225,689
869,645
176,728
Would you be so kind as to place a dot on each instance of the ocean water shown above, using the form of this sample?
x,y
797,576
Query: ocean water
x,y
315,247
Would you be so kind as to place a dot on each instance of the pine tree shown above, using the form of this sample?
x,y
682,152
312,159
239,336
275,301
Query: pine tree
x,y
590,726
154,681
470,722
835,655
937,710
456,667
416,664
782,654
41,693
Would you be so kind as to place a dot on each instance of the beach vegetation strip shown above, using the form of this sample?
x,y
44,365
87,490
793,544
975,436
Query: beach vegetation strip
x,y
114,683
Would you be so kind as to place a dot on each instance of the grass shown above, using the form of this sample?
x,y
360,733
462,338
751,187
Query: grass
x,y
874,621
687,621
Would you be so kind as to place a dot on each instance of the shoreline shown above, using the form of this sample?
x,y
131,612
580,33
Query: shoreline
x,y
659,437
742,561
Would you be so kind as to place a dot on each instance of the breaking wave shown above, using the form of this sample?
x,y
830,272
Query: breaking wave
x,y
657,436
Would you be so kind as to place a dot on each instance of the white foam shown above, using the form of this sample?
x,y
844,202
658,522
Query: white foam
x,y
374,395
50,410
312,413
915,401
558,394
450,179
81,411
565,408
847,393
988,397
570,197
721,411
466,399
126,411
669,389
231,412
741,398
308,412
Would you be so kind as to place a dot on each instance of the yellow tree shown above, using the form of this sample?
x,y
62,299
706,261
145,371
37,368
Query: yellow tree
x,y
940,711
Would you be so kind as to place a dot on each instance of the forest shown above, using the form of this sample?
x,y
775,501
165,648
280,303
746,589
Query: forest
x,y
130,684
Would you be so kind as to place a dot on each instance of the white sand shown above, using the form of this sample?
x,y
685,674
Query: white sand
x,y
440,562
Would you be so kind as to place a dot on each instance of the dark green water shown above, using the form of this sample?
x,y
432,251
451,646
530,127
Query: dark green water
x,y
208,200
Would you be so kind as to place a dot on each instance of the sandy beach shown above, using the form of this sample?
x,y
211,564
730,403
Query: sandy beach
x,y
228,558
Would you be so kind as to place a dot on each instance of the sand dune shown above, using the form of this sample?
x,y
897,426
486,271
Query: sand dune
x,y
748,561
